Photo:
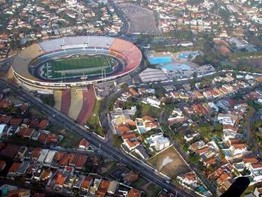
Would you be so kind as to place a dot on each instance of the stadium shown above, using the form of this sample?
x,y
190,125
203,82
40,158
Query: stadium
x,y
75,61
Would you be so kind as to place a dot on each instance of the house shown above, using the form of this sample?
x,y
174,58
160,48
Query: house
x,y
83,144
130,140
22,168
130,177
78,181
81,162
21,152
258,191
146,124
249,159
256,171
158,141
189,179
153,101
42,156
102,189
9,151
134,193
49,158
60,179
25,132
43,124
112,187
46,174
209,161
228,119
35,153
229,131
197,145
140,150
13,169
88,180
70,179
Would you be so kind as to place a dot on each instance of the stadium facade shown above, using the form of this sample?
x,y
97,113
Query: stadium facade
x,y
29,58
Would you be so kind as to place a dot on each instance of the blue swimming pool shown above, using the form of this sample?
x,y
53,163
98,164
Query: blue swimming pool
x,y
160,60
187,55
177,66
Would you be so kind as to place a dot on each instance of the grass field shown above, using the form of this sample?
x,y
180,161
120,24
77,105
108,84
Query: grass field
x,y
169,162
77,66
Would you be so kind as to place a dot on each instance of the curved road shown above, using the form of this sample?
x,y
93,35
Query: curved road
x,y
58,117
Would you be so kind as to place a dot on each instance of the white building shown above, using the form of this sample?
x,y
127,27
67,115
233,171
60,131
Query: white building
x,y
256,171
2,128
49,158
158,141
153,101
42,156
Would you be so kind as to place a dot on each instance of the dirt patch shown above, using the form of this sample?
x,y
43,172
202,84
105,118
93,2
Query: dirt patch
x,y
169,162
76,103
58,98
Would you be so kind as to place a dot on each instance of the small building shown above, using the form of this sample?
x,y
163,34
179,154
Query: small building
x,y
140,150
112,187
158,141
42,156
49,157
83,144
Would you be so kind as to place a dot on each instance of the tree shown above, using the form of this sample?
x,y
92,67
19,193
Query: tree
x,y
117,141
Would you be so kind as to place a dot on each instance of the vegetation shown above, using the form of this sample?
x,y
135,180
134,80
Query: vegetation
x,y
94,121
117,141
77,65
48,99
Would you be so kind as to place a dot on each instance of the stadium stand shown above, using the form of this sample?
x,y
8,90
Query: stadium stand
x,y
27,62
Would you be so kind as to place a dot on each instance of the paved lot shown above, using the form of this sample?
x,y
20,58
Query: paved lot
x,y
141,20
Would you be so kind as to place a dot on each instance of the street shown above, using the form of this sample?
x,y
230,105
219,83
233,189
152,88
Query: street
x,y
57,117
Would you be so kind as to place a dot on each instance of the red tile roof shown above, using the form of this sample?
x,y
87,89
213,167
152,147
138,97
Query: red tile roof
x,y
83,143
16,121
134,193
5,103
256,165
102,189
60,179
5,119
14,167
250,159
81,161
51,138
10,151
34,123
43,124
36,153
64,160
26,132
123,129
87,182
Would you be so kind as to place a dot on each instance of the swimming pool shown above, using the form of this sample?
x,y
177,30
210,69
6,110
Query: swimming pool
x,y
160,60
188,55
176,66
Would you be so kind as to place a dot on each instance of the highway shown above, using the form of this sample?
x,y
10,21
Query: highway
x,y
57,117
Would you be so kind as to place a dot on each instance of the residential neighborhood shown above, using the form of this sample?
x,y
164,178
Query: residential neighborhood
x,y
130,98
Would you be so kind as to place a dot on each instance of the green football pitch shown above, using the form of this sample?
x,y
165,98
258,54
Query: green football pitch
x,y
78,66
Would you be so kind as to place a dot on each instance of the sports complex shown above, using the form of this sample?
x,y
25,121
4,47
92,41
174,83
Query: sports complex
x,y
75,61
